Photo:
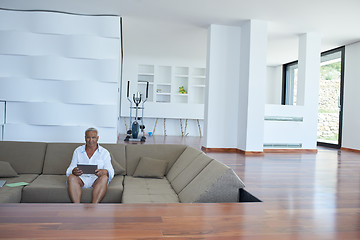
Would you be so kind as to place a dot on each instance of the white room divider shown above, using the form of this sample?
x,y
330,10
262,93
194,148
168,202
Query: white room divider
x,y
59,75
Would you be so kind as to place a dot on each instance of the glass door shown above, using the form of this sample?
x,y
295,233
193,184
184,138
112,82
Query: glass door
x,y
330,98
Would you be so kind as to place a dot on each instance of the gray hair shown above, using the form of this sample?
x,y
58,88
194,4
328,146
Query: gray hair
x,y
91,130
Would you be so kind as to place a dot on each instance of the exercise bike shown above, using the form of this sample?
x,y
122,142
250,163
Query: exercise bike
x,y
132,134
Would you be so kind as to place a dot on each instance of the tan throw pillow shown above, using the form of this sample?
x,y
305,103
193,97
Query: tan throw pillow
x,y
6,170
150,168
118,169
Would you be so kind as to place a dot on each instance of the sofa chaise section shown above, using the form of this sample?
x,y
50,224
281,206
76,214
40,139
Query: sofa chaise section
x,y
26,159
145,189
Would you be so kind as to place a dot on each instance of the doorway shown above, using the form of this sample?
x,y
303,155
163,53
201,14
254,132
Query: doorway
x,y
331,98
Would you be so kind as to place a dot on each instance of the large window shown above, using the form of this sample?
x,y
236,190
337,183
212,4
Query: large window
x,y
330,94
290,77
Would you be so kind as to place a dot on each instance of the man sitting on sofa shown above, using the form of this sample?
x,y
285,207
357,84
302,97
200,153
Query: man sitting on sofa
x,y
92,154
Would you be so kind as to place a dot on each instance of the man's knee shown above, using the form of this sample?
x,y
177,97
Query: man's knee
x,y
102,180
72,179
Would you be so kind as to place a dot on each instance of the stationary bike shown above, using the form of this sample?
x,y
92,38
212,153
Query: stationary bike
x,y
132,134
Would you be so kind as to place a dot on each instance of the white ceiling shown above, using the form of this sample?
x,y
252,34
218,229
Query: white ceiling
x,y
336,20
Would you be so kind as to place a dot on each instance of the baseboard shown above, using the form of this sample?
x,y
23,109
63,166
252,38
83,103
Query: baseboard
x,y
253,153
230,150
290,150
350,149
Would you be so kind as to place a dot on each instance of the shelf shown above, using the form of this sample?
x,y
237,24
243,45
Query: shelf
x,y
144,83
181,94
163,93
164,84
199,86
146,74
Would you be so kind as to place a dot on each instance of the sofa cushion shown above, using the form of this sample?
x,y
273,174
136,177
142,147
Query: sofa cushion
x,y
118,169
182,162
53,189
117,152
6,170
24,157
215,183
148,190
13,194
190,172
168,152
151,168
58,157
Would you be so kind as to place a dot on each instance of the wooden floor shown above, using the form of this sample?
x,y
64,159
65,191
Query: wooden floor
x,y
305,196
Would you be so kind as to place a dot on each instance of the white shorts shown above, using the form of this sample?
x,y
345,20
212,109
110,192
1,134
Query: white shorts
x,y
88,180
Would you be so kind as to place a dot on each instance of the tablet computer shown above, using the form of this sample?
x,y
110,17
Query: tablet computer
x,y
87,168
2,183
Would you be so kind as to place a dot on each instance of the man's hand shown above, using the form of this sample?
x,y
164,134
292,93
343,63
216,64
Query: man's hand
x,y
77,171
100,172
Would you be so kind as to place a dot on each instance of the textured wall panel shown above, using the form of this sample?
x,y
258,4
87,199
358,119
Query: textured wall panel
x,y
36,133
61,114
72,46
58,23
59,68
59,75
77,92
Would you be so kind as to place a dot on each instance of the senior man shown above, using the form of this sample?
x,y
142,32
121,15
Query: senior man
x,y
93,154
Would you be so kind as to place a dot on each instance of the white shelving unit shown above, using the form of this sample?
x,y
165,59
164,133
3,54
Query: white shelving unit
x,y
165,82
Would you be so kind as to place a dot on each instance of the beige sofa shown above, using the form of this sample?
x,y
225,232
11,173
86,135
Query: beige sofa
x,y
145,173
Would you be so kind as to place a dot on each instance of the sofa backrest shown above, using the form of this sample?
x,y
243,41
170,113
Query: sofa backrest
x,y
118,152
186,168
58,157
168,152
215,183
182,162
24,157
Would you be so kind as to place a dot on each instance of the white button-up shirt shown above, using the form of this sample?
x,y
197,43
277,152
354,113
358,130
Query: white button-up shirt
x,y
101,158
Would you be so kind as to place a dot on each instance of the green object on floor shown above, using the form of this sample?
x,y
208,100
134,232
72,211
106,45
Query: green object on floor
x,y
17,184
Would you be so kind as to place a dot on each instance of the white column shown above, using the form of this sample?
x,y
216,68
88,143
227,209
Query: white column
x,y
308,84
221,97
235,92
253,76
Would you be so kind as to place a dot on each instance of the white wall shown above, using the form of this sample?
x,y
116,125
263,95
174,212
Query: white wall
x,y
297,125
162,44
234,105
59,75
252,85
351,113
222,87
273,85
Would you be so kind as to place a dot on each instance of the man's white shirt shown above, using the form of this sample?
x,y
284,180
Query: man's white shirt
x,y
101,158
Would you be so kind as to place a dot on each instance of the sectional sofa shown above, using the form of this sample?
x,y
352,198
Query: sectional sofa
x,y
144,173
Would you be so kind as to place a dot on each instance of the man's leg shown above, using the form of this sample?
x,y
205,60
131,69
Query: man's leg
x,y
74,188
100,188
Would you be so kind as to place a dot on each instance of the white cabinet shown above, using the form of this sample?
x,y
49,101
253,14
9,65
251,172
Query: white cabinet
x,y
165,83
